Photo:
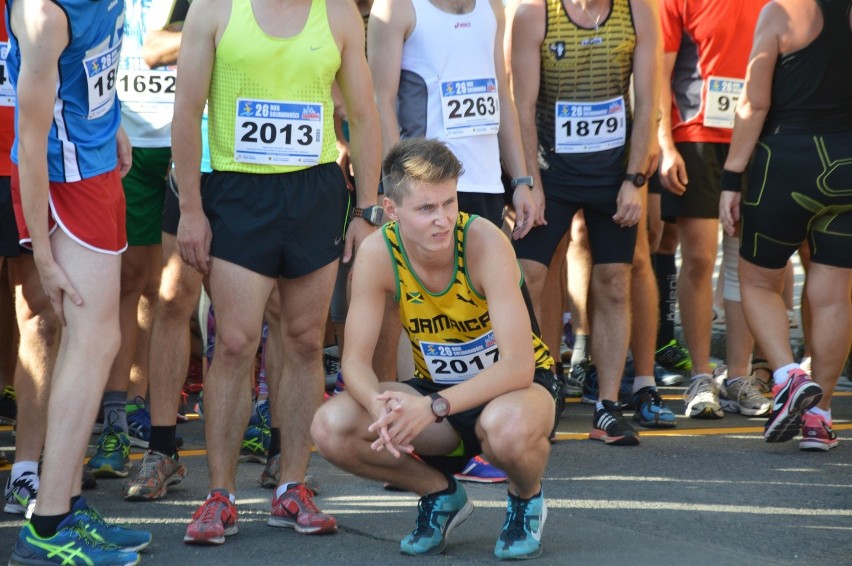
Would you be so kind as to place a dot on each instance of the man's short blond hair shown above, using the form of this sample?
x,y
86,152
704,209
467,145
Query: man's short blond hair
x,y
417,160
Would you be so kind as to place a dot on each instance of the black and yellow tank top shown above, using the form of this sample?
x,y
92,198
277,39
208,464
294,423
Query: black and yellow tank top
x,y
450,331
586,73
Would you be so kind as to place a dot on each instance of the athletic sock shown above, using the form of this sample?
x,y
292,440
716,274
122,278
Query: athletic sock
x,y
640,382
824,414
45,525
163,440
666,274
282,489
115,414
581,349
274,442
20,468
780,375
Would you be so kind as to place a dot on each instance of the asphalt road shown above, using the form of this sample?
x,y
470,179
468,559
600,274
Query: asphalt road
x,y
707,492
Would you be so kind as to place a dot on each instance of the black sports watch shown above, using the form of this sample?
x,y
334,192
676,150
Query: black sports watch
x,y
440,407
372,214
522,181
638,179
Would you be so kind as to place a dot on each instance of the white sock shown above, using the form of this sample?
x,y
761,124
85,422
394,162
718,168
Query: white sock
x,y
643,381
20,468
780,375
231,497
283,488
824,414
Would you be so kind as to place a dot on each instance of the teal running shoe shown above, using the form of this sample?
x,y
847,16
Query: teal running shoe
x,y
438,514
70,545
112,457
521,536
651,411
119,536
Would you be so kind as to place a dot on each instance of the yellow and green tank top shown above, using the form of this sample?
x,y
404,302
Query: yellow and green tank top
x,y
450,331
583,64
263,72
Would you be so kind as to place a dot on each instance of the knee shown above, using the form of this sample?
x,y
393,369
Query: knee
x,y
236,343
698,264
611,284
176,301
304,341
508,432
331,430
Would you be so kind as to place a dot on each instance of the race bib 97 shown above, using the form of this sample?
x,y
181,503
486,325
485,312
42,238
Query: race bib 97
x,y
721,104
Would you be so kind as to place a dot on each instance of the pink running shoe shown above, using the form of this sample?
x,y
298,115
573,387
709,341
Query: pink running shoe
x,y
817,435
213,521
798,394
296,510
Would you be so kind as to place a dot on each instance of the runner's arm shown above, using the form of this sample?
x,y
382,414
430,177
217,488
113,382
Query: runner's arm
x,y
353,77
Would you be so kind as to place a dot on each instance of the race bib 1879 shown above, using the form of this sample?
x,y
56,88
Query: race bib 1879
x,y
585,127
278,133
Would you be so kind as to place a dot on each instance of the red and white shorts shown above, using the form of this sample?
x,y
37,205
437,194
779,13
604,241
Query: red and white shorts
x,y
91,212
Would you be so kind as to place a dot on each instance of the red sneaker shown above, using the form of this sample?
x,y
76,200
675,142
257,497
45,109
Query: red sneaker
x,y
296,510
213,521
798,394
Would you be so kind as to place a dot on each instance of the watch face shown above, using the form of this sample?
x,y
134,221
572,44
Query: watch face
x,y
441,407
640,180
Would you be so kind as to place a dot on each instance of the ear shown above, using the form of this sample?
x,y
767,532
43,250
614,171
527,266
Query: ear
x,y
390,209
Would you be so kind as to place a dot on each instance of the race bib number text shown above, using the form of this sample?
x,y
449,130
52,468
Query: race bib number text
x,y
470,107
585,127
454,363
101,74
722,96
278,133
7,91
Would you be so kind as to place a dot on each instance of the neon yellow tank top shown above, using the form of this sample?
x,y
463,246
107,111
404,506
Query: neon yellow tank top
x,y
270,106
450,331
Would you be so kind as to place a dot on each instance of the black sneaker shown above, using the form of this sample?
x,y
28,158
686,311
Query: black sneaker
x,y
8,406
611,428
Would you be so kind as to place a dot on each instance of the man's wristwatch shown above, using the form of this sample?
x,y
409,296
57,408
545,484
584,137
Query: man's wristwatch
x,y
522,181
372,214
440,407
638,179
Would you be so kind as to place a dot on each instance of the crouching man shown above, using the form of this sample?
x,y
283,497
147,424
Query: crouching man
x,y
482,380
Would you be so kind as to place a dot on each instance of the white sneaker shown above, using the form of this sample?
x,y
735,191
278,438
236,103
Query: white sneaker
x,y
702,398
742,395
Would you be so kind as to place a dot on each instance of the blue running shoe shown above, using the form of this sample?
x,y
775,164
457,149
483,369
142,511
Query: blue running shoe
x,y
119,536
438,514
138,423
480,470
590,388
521,536
260,415
112,457
651,412
256,441
70,545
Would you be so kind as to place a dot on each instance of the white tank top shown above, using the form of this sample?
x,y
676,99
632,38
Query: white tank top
x,y
448,89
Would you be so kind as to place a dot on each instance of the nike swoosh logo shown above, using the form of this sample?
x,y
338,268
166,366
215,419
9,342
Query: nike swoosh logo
x,y
337,240
316,48
536,533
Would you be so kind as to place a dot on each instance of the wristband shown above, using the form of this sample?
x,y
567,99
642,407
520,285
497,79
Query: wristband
x,y
731,181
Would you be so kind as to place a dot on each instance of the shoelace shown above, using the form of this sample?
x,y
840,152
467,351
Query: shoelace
x,y
656,400
140,418
212,509
26,480
112,440
515,522
332,364
704,387
9,393
148,468
424,515
304,498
